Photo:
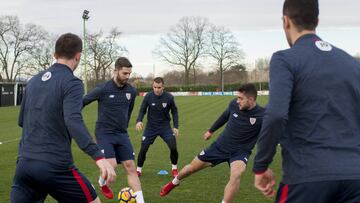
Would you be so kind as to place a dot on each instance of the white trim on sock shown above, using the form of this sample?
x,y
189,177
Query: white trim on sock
x,y
139,169
173,166
175,181
102,182
139,197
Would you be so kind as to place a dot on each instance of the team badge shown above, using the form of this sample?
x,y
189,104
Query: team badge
x,y
46,76
164,105
252,121
128,96
235,115
323,46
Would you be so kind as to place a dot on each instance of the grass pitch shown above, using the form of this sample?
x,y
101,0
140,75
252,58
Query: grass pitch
x,y
196,115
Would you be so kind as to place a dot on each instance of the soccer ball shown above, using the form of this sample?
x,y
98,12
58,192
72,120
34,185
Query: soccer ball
x,y
126,195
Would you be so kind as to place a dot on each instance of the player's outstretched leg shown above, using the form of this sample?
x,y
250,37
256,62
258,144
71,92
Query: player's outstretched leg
x,y
189,169
133,179
237,168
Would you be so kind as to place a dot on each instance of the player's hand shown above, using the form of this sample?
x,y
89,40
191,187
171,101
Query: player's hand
x,y
139,126
107,172
207,135
176,132
265,182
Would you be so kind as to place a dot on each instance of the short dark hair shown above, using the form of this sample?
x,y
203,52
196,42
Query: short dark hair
x,y
249,90
159,80
122,62
303,13
67,46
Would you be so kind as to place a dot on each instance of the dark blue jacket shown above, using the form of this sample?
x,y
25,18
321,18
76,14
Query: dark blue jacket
x,y
313,112
50,116
158,110
115,105
242,129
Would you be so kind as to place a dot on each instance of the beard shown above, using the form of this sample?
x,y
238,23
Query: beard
x,y
120,81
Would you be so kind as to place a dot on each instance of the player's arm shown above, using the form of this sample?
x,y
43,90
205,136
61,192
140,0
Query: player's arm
x,y
218,123
93,95
131,107
142,112
175,116
22,109
276,114
72,106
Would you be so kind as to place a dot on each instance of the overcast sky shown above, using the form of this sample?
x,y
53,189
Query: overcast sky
x,y
255,23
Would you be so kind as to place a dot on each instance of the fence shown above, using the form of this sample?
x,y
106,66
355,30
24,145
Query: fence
x,y
11,94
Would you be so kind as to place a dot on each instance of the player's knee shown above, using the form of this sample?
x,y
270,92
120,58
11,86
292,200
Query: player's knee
x,y
129,166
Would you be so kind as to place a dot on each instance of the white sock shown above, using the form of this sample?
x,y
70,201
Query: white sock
x,y
173,166
139,169
222,201
175,181
102,182
139,197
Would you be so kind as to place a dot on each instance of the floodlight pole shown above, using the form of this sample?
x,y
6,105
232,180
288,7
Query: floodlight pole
x,y
85,17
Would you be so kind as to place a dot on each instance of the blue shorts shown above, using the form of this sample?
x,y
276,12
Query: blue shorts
x,y
35,179
216,155
345,191
116,145
151,134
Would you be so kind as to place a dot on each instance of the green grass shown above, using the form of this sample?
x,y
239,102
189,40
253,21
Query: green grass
x,y
196,115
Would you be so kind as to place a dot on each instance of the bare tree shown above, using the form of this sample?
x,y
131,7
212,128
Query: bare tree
x,y
102,52
41,57
225,50
184,44
16,41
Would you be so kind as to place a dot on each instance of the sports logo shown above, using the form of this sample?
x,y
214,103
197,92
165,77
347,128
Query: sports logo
x,y
46,76
323,46
235,115
103,151
164,105
252,121
143,138
111,96
202,152
128,96
152,104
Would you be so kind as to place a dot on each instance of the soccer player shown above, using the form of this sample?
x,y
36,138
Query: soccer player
x,y
158,103
116,100
313,114
243,117
50,117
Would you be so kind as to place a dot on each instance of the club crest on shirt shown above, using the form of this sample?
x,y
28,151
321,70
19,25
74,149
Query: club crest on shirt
x,y
323,46
235,115
128,96
46,76
164,105
252,121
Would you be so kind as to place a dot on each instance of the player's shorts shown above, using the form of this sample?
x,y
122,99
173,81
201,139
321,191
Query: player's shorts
x,y
116,145
35,179
215,155
345,191
151,134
